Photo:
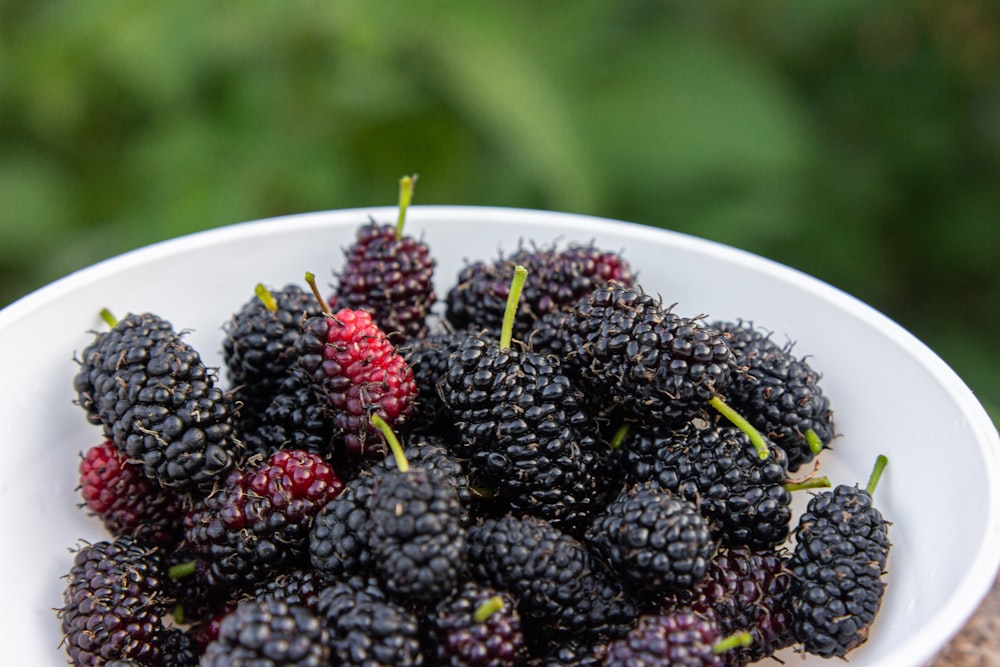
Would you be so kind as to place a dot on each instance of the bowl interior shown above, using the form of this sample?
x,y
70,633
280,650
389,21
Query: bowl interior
x,y
890,394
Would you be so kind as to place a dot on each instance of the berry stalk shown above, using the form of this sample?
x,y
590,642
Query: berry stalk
x,y
406,184
739,421
740,639
510,312
311,281
487,609
266,297
880,463
821,482
394,444
108,317
815,444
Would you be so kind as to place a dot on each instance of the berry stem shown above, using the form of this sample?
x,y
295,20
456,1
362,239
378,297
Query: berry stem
x,y
876,475
181,570
737,419
406,184
266,297
821,482
736,640
815,444
619,437
488,608
390,437
516,285
311,280
109,317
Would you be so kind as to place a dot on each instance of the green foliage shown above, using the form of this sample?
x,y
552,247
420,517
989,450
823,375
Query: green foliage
x,y
858,141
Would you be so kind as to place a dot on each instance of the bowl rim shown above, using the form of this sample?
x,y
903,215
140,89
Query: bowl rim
x,y
974,584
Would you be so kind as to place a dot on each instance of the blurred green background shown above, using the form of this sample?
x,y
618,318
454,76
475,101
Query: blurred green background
x,y
856,140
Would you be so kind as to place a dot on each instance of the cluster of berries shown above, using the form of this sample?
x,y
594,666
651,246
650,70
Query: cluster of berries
x,y
558,471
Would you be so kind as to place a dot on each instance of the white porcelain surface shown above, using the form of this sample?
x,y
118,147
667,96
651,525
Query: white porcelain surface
x,y
891,395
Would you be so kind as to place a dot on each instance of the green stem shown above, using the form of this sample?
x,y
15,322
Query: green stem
x,y
880,464
815,444
405,197
266,297
109,318
488,608
737,419
181,570
178,614
311,280
390,437
821,482
510,312
619,437
736,640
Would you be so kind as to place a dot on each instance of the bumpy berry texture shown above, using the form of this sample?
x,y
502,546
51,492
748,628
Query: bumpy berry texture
x,y
417,537
113,604
259,521
389,274
476,626
654,541
842,545
428,357
295,418
433,454
741,494
358,370
179,649
340,534
560,590
159,402
570,653
259,346
269,633
101,357
778,392
126,501
557,279
657,367
748,590
299,586
367,630
679,639
525,431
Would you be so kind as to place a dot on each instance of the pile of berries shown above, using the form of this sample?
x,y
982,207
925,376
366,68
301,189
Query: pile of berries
x,y
550,467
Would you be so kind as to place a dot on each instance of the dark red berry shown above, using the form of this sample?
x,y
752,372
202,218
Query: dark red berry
x,y
360,373
126,501
258,522
389,274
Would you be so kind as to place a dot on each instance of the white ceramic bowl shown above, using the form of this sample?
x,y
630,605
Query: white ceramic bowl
x,y
891,395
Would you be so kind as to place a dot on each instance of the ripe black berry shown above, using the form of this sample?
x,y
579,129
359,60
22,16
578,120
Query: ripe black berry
x,y
269,633
842,545
417,537
655,366
779,393
158,402
113,604
653,540
560,590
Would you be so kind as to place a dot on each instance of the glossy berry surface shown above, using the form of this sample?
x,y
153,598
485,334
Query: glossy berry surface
x,y
113,604
126,501
258,522
842,545
357,369
390,275
269,633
